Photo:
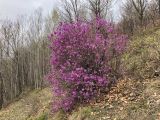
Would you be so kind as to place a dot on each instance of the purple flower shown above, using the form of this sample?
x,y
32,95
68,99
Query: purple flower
x,y
81,53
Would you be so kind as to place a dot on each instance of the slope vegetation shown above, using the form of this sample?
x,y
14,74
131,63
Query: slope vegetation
x,y
130,99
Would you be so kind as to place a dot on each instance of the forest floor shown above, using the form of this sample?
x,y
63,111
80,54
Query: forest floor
x,y
128,100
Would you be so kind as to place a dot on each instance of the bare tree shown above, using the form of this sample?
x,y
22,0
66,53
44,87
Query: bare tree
x,y
1,79
140,8
24,55
128,19
152,12
71,10
158,2
99,8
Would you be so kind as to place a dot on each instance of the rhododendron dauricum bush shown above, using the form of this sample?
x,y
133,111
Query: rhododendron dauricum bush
x,y
81,52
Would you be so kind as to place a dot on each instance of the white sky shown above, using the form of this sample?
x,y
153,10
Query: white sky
x,y
12,8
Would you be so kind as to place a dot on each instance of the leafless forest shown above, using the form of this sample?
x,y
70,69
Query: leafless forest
x,y
24,54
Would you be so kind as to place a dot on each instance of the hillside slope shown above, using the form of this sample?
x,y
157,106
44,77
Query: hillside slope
x,y
29,107
128,100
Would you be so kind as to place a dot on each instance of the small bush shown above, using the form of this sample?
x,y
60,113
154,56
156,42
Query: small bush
x,y
81,61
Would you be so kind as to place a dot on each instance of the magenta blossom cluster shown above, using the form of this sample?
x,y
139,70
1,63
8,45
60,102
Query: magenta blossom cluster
x,y
80,55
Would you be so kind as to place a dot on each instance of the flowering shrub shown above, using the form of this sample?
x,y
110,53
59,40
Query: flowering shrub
x,y
80,58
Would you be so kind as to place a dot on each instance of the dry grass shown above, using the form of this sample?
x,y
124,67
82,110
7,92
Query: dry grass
x,y
128,100
28,107
131,100
142,58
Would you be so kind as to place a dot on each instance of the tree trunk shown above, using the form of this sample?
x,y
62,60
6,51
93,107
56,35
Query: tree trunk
x,y
1,91
159,7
